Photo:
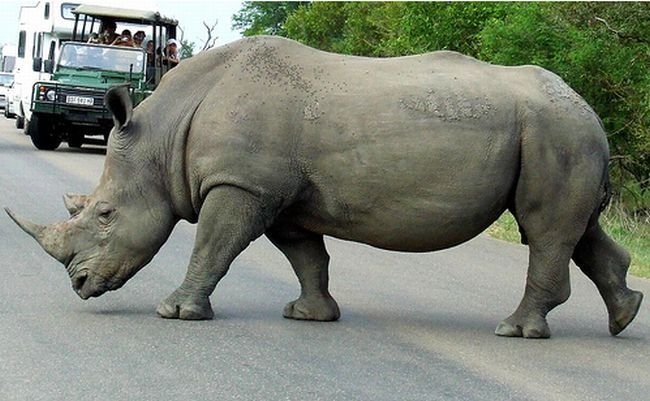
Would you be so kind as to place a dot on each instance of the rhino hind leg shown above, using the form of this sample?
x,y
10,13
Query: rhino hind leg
x,y
229,220
309,259
606,264
552,214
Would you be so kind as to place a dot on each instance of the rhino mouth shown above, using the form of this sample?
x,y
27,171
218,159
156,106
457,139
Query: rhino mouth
x,y
87,282
87,286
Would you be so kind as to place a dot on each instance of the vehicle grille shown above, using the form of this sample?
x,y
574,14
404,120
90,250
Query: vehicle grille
x,y
97,95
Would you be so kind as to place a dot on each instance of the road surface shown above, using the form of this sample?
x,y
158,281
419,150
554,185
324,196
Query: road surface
x,y
413,326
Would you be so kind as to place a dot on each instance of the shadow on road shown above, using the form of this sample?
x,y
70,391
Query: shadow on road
x,y
99,150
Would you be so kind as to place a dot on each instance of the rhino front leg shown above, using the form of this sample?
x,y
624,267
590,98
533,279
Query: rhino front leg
x,y
308,257
230,218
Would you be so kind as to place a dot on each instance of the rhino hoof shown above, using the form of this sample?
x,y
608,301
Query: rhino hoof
x,y
626,313
537,329
185,308
322,309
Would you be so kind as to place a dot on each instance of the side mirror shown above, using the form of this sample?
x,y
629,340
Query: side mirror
x,y
37,63
48,66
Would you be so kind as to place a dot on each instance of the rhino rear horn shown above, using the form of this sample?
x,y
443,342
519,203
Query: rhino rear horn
x,y
50,238
75,203
118,102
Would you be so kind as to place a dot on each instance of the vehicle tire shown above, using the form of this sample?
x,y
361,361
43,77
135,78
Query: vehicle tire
x,y
75,140
41,130
20,122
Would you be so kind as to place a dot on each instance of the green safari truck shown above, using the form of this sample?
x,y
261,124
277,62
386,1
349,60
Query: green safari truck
x,y
70,106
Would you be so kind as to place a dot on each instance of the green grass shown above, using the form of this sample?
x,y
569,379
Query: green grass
x,y
633,233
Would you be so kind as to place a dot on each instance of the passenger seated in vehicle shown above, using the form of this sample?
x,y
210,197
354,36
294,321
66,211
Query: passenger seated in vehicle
x,y
108,34
151,66
124,39
171,57
138,39
94,38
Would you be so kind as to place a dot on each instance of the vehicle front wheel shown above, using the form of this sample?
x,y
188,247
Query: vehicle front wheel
x,y
41,130
75,140
20,122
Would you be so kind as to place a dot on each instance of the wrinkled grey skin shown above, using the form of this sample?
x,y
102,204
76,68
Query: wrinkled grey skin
x,y
266,136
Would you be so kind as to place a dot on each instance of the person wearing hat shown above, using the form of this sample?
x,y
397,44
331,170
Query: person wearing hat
x,y
171,56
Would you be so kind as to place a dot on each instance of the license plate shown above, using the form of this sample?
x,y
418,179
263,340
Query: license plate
x,y
86,101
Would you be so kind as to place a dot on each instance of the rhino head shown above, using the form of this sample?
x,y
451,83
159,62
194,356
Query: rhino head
x,y
115,231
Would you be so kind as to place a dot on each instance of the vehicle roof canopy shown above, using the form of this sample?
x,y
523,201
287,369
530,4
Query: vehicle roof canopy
x,y
124,15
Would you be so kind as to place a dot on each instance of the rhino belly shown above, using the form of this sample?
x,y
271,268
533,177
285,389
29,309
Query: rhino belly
x,y
418,212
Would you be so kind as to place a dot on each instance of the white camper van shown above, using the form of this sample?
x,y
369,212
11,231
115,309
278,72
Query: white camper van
x,y
42,27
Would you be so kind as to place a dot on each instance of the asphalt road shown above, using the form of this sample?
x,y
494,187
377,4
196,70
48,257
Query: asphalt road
x,y
413,326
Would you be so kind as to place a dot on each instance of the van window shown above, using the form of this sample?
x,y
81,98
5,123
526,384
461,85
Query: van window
x,y
22,38
37,50
50,54
66,10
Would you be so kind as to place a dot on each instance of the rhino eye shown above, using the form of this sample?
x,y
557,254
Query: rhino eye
x,y
105,214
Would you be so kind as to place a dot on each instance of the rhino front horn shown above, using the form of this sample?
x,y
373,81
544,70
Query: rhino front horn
x,y
48,237
30,228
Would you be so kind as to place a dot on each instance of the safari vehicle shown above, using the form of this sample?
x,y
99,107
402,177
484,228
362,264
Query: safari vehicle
x,y
70,106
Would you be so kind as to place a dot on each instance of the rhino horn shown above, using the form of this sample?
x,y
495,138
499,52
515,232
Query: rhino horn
x,y
50,238
74,202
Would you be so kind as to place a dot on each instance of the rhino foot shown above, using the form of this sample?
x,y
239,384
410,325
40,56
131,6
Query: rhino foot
x,y
625,312
527,328
320,308
185,307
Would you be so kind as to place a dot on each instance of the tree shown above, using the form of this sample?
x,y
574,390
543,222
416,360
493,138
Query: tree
x,y
264,18
602,51
187,48
212,38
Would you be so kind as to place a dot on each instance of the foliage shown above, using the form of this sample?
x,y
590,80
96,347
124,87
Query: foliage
x,y
187,49
602,50
264,18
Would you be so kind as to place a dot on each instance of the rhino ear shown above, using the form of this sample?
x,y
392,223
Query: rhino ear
x,y
75,203
118,102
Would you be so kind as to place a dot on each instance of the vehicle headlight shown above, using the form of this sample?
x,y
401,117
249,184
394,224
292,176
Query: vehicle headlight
x,y
46,93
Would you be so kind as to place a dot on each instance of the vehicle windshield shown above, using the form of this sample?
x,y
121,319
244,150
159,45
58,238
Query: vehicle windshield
x,y
83,56
6,79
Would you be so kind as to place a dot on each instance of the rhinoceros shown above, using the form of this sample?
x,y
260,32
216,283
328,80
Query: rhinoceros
x,y
417,154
